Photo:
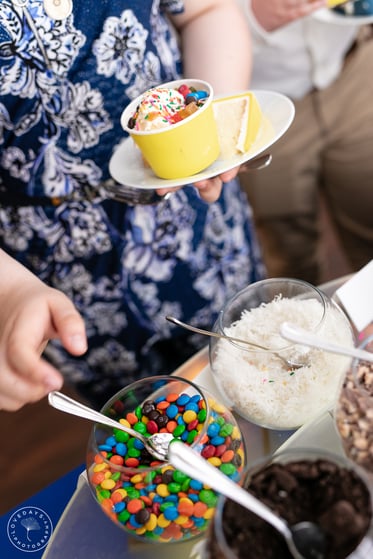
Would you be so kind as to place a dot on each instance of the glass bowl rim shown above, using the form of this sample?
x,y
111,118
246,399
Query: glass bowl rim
x,y
93,445
322,297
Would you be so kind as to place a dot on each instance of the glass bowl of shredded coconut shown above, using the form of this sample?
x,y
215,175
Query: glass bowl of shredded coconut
x,y
256,383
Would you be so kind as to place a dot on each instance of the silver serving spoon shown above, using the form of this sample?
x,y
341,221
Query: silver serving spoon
x,y
305,540
299,335
157,444
287,362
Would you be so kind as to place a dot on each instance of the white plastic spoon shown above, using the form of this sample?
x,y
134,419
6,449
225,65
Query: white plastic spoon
x,y
295,333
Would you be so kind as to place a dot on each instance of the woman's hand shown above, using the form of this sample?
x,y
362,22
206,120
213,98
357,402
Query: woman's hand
x,y
272,14
32,314
209,189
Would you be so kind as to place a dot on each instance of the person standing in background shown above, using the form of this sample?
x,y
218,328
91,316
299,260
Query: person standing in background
x,y
326,69
67,71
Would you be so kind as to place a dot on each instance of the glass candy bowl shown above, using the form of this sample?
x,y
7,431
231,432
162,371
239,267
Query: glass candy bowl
x,y
148,498
256,383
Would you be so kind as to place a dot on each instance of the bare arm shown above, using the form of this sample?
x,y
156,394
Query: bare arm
x,y
216,47
30,315
216,44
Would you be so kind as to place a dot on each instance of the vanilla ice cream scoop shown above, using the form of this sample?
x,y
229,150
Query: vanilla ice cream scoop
x,y
157,108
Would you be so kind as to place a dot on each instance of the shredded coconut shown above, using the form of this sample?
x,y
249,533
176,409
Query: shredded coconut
x,y
258,385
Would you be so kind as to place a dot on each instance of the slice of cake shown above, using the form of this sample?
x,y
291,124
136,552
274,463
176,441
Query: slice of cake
x,y
238,119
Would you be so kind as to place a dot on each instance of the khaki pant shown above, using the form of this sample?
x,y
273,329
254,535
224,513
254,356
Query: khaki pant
x,y
327,149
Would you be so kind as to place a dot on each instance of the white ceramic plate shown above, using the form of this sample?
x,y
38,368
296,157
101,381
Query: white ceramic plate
x,y
330,16
126,165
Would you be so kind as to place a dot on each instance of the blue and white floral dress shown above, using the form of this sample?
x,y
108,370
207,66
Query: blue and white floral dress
x,y
63,86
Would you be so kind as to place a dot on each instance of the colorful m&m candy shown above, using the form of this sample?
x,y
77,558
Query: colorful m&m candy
x,y
151,499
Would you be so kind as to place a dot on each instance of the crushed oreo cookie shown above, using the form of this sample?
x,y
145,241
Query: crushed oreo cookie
x,y
318,490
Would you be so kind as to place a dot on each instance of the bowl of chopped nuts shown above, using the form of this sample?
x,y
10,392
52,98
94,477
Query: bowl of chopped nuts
x,y
354,410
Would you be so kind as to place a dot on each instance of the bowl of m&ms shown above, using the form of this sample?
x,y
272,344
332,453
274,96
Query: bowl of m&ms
x,y
145,496
174,127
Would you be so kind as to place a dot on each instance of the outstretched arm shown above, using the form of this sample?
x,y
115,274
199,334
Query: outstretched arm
x,y
216,44
31,314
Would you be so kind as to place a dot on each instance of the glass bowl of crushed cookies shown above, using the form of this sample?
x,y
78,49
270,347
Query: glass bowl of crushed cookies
x,y
298,485
278,385
142,494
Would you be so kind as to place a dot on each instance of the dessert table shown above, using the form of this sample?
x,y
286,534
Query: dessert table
x,y
83,530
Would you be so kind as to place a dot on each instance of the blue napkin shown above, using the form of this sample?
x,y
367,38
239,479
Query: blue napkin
x,y
26,529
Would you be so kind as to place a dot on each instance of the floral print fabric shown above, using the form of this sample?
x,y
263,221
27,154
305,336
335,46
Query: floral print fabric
x,y
63,86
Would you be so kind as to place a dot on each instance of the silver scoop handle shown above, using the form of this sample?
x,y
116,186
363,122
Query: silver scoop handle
x,y
187,460
68,405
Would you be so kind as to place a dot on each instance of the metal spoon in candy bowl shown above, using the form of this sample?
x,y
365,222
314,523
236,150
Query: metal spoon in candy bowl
x,y
131,484
157,444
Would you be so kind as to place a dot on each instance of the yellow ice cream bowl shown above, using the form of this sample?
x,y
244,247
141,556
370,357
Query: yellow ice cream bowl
x,y
332,3
184,148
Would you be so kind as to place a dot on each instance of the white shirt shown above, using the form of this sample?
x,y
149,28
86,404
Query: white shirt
x,y
298,57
